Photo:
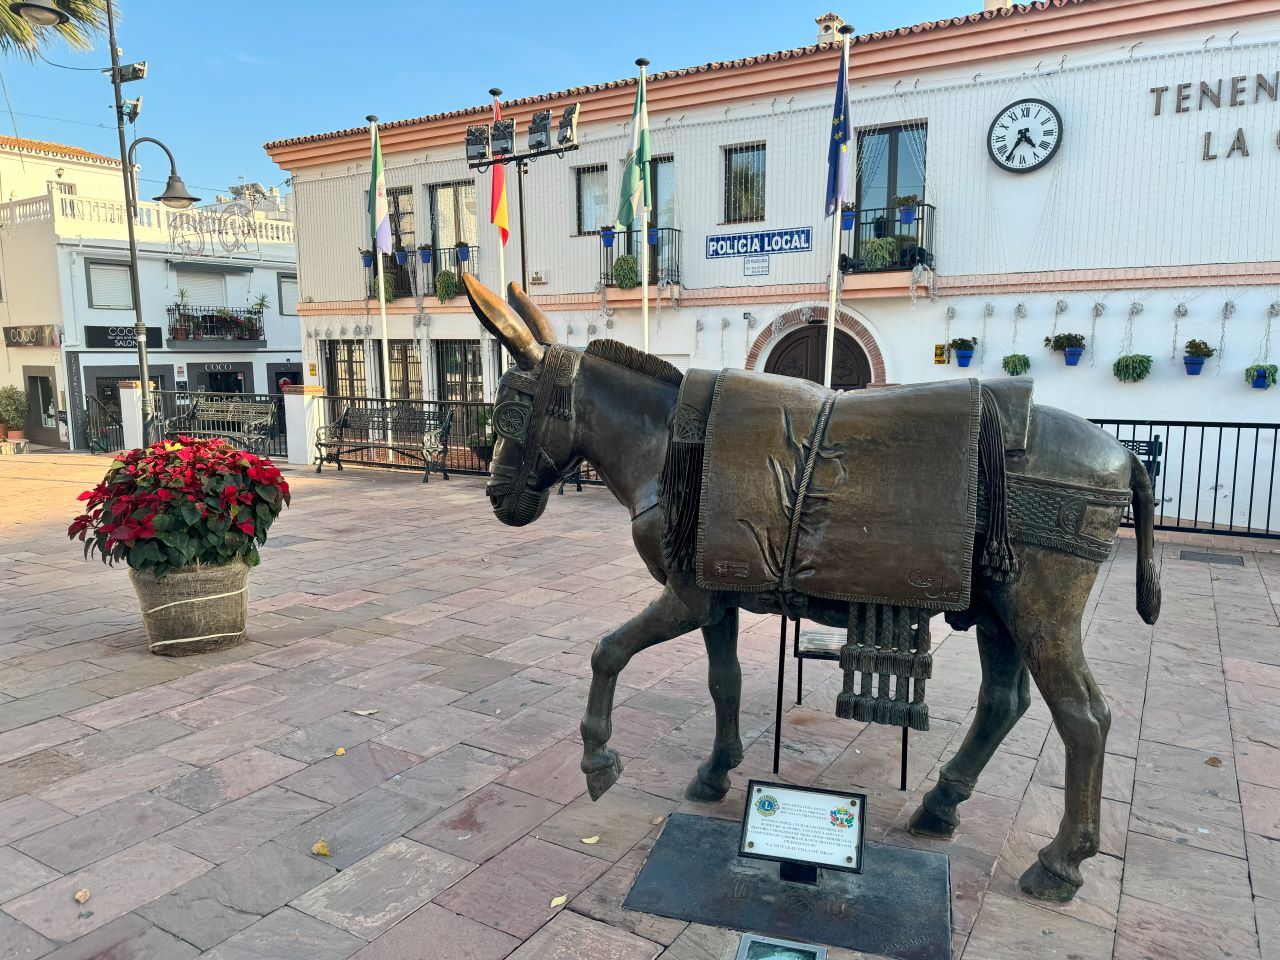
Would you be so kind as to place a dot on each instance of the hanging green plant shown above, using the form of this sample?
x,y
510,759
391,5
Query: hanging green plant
x,y
388,287
446,285
1016,364
1261,376
879,253
626,272
1132,367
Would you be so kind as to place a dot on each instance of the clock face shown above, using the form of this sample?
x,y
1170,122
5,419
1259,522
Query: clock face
x,y
1024,136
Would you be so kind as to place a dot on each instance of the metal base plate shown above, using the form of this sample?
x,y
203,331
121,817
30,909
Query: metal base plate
x,y
900,905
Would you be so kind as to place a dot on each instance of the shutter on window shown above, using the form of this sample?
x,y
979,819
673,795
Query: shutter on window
x,y
289,295
109,285
203,289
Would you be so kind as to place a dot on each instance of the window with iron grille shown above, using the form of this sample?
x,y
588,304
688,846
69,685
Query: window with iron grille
x,y
592,190
406,369
453,213
344,366
459,374
744,183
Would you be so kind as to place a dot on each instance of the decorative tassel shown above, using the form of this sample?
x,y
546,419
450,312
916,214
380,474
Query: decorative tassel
x,y
998,559
918,716
681,490
561,402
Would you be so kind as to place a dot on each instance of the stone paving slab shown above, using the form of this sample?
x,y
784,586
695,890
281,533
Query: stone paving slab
x,y
450,658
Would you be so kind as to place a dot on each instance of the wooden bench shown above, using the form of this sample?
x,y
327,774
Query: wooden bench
x,y
407,429
246,423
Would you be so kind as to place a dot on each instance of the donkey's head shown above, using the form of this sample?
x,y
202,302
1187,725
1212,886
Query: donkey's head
x,y
533,415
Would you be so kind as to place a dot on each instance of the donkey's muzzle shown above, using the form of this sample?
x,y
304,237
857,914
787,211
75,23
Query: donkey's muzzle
x,y
520,509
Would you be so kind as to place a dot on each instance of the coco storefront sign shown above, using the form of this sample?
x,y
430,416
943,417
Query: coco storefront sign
x,y
119,338
33,335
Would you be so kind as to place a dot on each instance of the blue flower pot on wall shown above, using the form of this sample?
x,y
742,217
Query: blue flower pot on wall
x,y
963,357
653,236
908,216
1072,355
402,257
464,254
606,237
1194,365
1260,380
424,254
366,259
848,218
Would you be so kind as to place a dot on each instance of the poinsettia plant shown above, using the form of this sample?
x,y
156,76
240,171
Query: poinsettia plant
x,y
181,502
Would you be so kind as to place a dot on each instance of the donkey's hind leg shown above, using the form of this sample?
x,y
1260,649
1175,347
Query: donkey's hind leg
x,y
724,677
1003,698
1044,610
664,619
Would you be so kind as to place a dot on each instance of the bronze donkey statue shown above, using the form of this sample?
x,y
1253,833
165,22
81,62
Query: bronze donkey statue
x,y
615,407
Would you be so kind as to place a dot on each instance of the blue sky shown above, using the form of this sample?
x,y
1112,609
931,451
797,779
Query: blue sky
x,y
225,78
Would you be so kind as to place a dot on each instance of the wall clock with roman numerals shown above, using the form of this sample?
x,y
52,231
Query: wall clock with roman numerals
x,y
1025,135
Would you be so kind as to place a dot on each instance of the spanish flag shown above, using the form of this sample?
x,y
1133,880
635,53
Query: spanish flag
x,y
498,199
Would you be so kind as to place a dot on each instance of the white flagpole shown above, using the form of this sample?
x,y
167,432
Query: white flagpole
x,y
644,229
382,300
835,279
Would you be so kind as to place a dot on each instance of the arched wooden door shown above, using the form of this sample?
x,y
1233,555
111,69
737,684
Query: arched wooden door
x,y
803,354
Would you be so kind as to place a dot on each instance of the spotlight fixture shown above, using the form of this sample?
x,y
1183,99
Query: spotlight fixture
x,y
567,135
478,143
130,109
504,137
540,130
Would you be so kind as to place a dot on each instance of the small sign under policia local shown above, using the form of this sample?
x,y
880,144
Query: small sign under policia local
x,y
791,240
803,825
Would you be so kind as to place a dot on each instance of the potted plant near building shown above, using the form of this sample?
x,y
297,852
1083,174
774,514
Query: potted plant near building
x,y
626,272
366,257
13,413
1070,345
187,516
1016,364
182,319
401,255
848,216
879,253
963,348
446,285
1132,367
607,235
424,252
1261,376
464,251
257,310
1195,353
907,208
481,442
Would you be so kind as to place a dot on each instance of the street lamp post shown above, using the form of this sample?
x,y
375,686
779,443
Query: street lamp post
x,y
45,13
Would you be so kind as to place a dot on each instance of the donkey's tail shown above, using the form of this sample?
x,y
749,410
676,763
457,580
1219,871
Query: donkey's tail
x,y
1144,518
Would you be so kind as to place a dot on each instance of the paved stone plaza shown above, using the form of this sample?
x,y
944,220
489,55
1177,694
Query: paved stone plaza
x,y
449,657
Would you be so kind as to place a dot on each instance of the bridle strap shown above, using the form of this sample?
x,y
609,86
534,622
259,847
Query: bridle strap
x,y
551,386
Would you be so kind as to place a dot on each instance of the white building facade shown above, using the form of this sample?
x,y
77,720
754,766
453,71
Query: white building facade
x,y
219,291
1151,223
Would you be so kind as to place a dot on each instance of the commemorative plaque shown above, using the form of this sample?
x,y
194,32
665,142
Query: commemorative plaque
x,y
803,828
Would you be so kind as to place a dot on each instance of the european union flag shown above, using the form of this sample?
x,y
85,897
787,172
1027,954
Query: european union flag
x,y
838,151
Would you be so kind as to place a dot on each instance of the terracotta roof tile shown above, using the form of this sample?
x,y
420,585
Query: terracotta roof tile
x,y
59,149
951,23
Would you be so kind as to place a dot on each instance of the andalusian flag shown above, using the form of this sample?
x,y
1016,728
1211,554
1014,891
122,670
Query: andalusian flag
x,y
498,197
379,217
635,176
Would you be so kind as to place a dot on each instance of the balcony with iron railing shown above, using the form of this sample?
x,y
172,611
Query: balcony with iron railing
x,y
403,278
884,239
214,327
664,255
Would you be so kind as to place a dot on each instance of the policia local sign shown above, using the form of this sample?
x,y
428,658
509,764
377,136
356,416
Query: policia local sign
x,y
792,240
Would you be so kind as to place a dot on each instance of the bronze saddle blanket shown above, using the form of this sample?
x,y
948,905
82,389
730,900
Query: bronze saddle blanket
x,y
865,497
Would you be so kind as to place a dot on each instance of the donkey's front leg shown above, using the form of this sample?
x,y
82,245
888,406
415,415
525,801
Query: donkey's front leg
x,y
664,619
724,677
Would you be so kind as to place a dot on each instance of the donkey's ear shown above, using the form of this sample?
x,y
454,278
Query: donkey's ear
x,y
533,317
503,323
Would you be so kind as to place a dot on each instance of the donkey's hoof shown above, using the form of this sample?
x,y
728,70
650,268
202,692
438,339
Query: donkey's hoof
x,y
1040,883
704,790
926,824
603,771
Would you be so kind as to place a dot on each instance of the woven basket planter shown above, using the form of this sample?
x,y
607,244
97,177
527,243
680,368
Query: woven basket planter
x,y
194,609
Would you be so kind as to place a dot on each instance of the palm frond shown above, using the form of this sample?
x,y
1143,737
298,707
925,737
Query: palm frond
x,y
88,21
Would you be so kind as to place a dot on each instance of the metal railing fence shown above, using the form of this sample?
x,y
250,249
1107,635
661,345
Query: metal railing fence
x,y
174,409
